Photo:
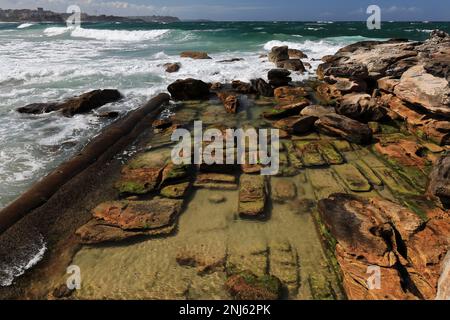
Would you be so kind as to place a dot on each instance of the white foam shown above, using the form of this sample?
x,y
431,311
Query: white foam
x,y
107,35
25,25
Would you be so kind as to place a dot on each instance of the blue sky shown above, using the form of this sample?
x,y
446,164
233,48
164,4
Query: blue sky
x,y
253,9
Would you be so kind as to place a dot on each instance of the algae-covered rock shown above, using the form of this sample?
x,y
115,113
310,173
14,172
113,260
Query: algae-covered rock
x,y
139,181
252,195
246,286
176,191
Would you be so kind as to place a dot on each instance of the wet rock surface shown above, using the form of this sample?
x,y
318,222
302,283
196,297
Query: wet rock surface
x,y
189,89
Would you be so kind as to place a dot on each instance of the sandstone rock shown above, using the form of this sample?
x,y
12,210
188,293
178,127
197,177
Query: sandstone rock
x,y
215,86
139,180
345,85
279,54
388,84
80,104
419,87
176,191
291,64
296,54
290,94
138,215
317,111
444,280
328,94
262,87
217,198
247,286
284,111
252,195
296,124
439,185
377,232
361,107
242,87
404,152
189,89
217,181
230,101
198,55
351,130
172,67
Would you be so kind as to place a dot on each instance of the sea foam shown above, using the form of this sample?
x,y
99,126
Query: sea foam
x,y
107,35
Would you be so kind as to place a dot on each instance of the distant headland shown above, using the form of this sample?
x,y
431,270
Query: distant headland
x,y
41,15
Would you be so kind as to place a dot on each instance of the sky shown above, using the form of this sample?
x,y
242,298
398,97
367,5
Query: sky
x,y
297,10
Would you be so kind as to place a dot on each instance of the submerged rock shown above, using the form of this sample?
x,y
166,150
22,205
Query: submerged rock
x,y
247,286
284,111
189,89
230,101
290,94
296,124
349,129
139,180
252,195
80,104
242,87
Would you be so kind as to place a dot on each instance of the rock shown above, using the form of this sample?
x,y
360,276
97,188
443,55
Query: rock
x,y
230,101
62,291
138,215
291,64
418,87
172,67
242,87
217,181
444,280
279,54
404,152
388,84
176,191
204,261
262,87
162,123
349,129
375,127
290,95
439,181
283,190
97,231
174,173
80,104
328,94
217,198
252,195
317,111
231,60
345,85
296,124
198,55
361,107
279,77
353,71
378,233
247,286
139,180
284,111
215,86
296,54
189,89
108,114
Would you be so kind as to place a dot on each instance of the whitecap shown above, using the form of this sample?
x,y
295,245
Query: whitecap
x,y
25,25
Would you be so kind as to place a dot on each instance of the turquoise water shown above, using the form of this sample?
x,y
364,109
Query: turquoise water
x,y
46,62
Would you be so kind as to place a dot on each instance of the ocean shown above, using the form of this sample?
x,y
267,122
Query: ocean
x,y
47,62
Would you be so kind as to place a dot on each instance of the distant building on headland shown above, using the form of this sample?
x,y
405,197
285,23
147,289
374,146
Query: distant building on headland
x,y
41,15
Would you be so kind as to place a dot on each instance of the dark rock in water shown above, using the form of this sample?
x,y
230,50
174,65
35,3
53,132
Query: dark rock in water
x,y
262,87
242,87
341,126
80,104
109,114
231,60
291,64
297,124
296,54
230,101
172,67
247,286
197,55
279,77
37,108
361,107
354,71
439,185
279,54
189,89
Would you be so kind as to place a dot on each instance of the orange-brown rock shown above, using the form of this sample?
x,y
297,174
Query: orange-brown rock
x,y
230,101
197,55
288,95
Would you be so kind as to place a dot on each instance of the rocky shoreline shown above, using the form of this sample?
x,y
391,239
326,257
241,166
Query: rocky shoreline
x,y
364,166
